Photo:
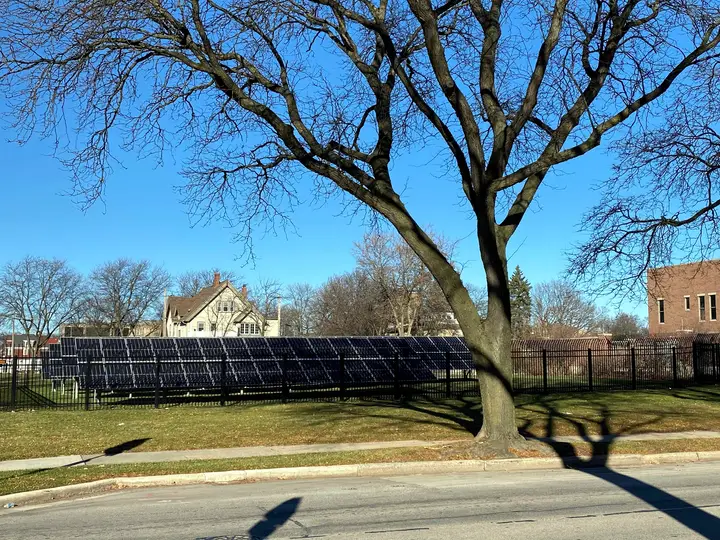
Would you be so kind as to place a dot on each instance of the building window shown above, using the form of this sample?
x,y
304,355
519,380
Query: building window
x,y
200,326
213,327
701,306
687,303
713,307
661,310
248,329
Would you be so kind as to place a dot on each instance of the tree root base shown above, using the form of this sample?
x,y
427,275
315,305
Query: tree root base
x,y
494,449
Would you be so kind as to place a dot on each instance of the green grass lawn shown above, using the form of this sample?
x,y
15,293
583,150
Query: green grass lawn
x,y
44,433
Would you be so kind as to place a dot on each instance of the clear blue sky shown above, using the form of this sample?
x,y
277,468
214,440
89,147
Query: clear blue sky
x,y
142,218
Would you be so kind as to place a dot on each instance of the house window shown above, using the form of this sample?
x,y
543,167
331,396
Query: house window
x,y
200,326
213,327
248,329
701,306
661,310
687,303
713,307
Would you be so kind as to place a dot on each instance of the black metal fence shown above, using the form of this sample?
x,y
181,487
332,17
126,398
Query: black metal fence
x,y
91,383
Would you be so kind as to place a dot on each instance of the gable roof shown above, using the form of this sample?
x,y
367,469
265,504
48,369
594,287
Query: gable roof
x,y
184,309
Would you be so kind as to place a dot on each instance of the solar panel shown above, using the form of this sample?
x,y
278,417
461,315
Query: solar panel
x,y
119,375
236,348
119,363
140,350
246,373
188,347
258,348
280,347
301,347
114,349
323,348
67,347
164,348
212,348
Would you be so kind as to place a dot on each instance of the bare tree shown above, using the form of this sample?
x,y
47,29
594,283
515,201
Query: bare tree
x,y
123,293
561,311
190,283
266,294
41,295
351,305
297,313
251,86
407,285
661,206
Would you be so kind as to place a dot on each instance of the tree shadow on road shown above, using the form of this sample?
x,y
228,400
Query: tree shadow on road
x,y
692,517
274,519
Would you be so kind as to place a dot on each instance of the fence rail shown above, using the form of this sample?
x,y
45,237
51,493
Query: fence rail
x,y
32,383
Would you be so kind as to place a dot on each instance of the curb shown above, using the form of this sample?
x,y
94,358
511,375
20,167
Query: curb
x,y
360,470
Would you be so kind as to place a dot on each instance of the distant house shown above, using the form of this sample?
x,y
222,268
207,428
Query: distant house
x,y
683,298
23,345
219,310
141,329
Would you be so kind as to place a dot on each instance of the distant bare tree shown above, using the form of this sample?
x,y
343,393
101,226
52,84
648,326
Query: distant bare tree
x,y
123,293
351,305
625,325
41,295
297,313
406,284
561,311
190,283
266,294
269,93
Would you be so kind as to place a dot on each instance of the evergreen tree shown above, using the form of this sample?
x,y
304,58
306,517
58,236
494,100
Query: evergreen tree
x,y
520,305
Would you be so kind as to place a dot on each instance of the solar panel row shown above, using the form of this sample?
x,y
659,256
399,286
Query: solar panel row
x,y
131,363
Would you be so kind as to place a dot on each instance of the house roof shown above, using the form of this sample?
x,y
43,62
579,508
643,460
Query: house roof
x,y
184,309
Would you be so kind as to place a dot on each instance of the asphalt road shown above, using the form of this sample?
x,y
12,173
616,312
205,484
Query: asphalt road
x,y
642,503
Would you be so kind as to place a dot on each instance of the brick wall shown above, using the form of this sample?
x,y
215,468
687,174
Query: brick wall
x,y
672,284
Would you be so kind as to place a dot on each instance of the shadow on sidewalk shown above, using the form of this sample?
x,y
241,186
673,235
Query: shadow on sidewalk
x,y
111,451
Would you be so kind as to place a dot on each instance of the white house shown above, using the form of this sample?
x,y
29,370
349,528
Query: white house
x,y
219,310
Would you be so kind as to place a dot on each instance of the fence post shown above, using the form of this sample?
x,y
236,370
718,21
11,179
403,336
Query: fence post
x,y
695,362
223,379
447,374
716,360
285,389
674,367
590,370
396,375
633,368
342,376
88,378
13,382
157,382
545,370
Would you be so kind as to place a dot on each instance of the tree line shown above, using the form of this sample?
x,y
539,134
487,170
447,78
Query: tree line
x,y
388,292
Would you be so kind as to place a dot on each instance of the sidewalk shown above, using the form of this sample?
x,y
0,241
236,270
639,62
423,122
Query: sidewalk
x,y
260,451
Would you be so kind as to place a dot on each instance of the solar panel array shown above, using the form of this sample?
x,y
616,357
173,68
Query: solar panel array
x,y
137,363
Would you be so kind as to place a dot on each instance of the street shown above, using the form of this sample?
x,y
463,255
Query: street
x,y
680,501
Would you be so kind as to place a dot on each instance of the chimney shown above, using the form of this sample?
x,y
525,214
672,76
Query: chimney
x,y
216,281
243,291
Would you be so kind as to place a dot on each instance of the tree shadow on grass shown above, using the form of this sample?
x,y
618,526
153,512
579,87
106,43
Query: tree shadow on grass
x,y
710,394
692,517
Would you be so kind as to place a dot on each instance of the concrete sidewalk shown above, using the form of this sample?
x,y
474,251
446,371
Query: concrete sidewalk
x,y
261,451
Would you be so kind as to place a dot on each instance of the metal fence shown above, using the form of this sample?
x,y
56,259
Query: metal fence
x,y
32,383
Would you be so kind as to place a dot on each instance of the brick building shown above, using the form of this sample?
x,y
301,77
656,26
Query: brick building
x,y
684,298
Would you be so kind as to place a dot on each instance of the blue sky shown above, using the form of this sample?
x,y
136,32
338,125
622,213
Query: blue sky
x,y
142,218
